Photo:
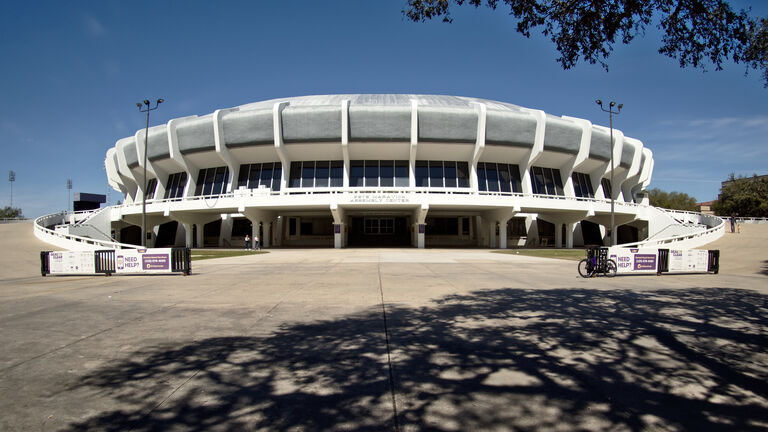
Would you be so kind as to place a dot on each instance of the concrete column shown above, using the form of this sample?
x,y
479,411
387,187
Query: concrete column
x,y
558,235
503,233
569,227
200,235
338,235
420,235
225,234
279,231
188,234
492,234
267,234
255,233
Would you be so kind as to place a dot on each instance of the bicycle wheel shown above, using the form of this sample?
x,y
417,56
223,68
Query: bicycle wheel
x,y
584,268
610,268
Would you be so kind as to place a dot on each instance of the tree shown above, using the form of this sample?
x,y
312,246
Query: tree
x,y
9,212
743,196
695,32
671,200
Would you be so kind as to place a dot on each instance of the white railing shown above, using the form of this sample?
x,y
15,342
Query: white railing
x,y
695,239
69,241
715,226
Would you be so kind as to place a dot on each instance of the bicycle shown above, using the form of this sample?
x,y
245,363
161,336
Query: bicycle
x,y
597,262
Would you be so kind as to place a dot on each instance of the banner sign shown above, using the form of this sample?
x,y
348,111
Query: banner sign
x,y
143,260
631,260
691,260
71,262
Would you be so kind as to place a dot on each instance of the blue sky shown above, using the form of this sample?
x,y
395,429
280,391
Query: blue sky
x,y
73,72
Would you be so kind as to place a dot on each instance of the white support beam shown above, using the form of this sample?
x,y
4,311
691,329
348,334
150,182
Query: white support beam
x,y
277,128
414,143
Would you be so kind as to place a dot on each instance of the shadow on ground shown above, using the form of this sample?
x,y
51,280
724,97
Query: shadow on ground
x,y
507,359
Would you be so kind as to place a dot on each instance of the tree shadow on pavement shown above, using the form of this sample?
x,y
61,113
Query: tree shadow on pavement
x,y
507,359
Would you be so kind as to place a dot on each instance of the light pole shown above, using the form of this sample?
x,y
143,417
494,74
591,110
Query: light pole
x,y
11,179
69,189
611,112
145,107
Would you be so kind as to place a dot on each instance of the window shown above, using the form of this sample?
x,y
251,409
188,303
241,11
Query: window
x,y
212,181
322,171
260,174
422,174
379,226
176,184
606,183
356,171
495,177
546,181
582,186
294,180
443,226
371,173
516,227
462,171
387,172
450,174
401,173
438,174
337,173
151,186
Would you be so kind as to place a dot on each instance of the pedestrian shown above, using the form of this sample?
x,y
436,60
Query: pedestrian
x,y
733,224
739,227
247,242
256,242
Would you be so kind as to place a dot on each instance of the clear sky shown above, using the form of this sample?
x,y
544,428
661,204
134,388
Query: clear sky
x,y
72,73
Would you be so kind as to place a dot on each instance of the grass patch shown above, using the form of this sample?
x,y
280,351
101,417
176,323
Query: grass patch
x,y
568,254
204,254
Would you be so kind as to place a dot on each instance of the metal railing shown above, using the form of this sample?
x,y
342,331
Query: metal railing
x,y
69,241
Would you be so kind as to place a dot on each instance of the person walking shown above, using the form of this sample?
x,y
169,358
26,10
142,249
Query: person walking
x,y
256,242
247,242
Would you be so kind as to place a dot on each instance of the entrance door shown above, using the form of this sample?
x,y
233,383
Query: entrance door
x,y
379,231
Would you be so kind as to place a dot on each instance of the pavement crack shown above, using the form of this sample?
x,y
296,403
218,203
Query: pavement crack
x,y
389,353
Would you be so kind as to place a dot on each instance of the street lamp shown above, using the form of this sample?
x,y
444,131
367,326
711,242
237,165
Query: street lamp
x,y
145,107
11,179
69,189
611,112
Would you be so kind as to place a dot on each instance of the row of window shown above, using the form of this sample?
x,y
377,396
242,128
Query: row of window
x,y
309,174
253,176
491,177
449,174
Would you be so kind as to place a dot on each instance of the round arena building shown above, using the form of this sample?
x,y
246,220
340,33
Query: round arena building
x,y
380,170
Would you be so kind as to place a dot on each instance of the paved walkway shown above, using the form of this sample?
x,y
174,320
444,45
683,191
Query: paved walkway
x,y
381,339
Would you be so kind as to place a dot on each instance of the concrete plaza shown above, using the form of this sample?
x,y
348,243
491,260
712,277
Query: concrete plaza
x,y
384,339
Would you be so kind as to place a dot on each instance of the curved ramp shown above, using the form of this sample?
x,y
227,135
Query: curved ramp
x,y
745,253
20,255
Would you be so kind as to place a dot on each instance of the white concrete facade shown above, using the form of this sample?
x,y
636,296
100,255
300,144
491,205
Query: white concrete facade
x,y
448,171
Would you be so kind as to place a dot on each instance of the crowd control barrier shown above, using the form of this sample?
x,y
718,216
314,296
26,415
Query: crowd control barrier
x,y
116,261
660,261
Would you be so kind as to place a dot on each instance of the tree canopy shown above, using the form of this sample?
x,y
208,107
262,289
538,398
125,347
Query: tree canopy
x,y
9,212
671,200
743,196
695,32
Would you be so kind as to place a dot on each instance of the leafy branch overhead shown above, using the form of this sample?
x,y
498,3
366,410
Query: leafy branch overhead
x,y
695,32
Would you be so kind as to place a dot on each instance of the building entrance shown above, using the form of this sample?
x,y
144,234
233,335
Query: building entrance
x,y
379,231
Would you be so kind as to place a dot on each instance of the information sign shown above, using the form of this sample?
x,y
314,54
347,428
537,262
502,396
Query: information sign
x,y
71,262
629,260
691,260
143,260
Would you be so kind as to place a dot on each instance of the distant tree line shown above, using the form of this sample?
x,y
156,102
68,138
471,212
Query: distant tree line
x,y
743,196
9,212
671,200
